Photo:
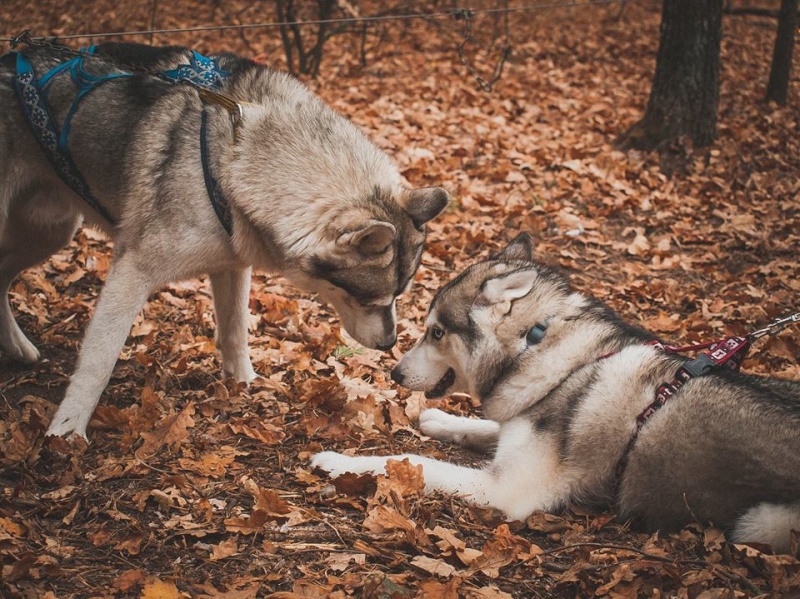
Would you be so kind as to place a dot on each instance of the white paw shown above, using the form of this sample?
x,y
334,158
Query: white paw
x,y
242,372
335,464
471,432
440,425
68,422
16,346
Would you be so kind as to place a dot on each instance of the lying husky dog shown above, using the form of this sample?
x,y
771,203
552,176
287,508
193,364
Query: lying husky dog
x,y
562,381
187,181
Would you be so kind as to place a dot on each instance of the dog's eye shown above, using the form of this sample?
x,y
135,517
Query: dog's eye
x,y
437,333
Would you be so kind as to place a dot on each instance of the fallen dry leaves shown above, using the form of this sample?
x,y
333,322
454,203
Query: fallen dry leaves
x,y
195,487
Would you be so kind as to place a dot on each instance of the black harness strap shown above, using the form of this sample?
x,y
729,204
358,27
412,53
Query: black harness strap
x,y
218,200
729,352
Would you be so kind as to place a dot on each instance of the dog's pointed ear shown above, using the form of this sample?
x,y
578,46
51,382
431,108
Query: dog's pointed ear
x,y
424,204
519,250
370,240
502,291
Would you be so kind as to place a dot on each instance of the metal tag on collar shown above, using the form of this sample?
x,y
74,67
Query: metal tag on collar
x,y
211,97
536,334
233,107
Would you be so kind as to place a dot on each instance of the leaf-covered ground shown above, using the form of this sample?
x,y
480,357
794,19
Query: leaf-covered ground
x,y
193,487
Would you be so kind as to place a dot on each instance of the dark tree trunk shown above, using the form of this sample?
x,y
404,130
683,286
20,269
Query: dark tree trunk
x,y
778,86
685,92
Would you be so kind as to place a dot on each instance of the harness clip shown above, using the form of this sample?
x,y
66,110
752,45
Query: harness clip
x,y
775,327
701,365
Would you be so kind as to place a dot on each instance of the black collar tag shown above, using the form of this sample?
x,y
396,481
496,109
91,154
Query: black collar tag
x,y
536,334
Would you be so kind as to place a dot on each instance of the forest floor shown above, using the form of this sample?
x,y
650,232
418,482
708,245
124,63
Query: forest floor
x,y
194,487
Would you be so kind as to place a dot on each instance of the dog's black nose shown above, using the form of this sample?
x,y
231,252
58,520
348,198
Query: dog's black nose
x,y
389,344
397,376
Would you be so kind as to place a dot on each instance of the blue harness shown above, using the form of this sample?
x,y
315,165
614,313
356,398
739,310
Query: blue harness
x,y
202,72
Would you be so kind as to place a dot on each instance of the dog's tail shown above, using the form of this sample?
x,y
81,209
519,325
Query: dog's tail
x,y
768,523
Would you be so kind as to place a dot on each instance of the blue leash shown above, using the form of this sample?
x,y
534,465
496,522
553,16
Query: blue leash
x,y
201,72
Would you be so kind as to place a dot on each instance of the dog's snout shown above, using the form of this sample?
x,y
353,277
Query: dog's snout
x,y
397,375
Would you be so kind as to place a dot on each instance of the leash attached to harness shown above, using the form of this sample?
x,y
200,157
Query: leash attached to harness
x,y
201,72
729,352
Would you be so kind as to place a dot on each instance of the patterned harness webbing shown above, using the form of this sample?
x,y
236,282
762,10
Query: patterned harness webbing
x,y
32,97
201,72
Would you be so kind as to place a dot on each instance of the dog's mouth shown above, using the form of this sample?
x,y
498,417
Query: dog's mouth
x,y
443,385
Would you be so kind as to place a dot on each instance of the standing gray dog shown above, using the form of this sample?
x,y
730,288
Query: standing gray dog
x,y
187,182
563,382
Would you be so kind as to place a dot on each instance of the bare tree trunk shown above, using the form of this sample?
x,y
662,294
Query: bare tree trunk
x,y
307,60
685,94
779,75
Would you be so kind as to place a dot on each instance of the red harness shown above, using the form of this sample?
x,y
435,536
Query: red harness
x,y
729,352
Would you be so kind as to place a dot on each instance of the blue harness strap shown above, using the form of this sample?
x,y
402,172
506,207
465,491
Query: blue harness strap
x,y
201,72
45,130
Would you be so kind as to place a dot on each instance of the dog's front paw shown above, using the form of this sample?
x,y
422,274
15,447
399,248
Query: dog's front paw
x,y
335,464
242,372
470,432
69,420
66,427
440,425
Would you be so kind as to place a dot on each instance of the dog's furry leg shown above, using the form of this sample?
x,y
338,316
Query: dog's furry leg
x,y
469,432
123,295
231,293
439,476
13,341
29,236
768,523
525,475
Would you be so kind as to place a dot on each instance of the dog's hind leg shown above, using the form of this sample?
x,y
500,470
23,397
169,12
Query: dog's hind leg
x,y
469,432
231,294
768,523
33,229
124,293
